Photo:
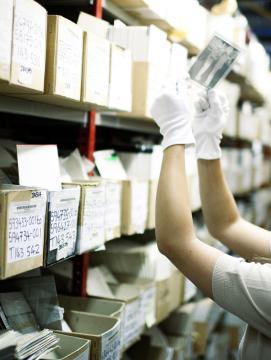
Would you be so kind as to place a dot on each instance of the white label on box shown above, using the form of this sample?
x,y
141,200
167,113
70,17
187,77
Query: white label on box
x,y
113,208
26,228
93,229
109,165
6,33
69,61
120,88
111,344
98,65
63,221
132,322
140,193
25,75
148,306
28,41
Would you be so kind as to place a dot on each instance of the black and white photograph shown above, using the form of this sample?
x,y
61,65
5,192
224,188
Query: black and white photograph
x,y
214,62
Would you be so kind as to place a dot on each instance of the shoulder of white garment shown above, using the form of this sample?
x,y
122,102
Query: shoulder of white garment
x,y
244,289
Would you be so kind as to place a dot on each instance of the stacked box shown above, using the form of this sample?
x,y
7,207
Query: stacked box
x,y
22,219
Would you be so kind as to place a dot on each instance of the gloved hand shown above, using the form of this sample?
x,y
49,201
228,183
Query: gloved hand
x,y
212,110
171,112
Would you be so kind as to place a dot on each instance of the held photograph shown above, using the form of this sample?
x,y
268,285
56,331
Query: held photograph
x,y
214,62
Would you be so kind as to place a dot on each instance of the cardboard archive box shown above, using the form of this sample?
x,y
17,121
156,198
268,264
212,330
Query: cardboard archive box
x,y
28,48
134,206
113,202
247,123
6,22
232,91
148,297
199,318
97,306
142,162
120,83
22,218
96,70
63,209
64,58
129,295
70,348
91,222
146,82
93,305
103,331
169,295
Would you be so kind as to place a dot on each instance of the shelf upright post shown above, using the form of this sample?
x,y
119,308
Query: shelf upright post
x,y
81,262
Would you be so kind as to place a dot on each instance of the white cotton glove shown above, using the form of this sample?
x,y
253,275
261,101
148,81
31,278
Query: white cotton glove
x,y
171,112
212,110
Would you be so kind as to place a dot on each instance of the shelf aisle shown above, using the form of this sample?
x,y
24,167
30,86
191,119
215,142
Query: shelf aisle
x,y
94,264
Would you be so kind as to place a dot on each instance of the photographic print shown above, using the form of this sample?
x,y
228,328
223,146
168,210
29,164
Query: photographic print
x,y
214,62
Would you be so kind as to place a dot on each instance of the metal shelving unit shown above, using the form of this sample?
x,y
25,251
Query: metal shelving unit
x,y
18,106
115,121
114,11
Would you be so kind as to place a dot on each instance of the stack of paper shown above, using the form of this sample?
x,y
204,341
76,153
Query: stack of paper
x,y
18,313
14,345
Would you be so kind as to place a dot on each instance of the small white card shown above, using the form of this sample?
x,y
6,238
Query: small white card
x,y
39,166
109,165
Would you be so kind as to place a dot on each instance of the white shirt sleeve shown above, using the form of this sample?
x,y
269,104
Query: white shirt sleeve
x,y
244,289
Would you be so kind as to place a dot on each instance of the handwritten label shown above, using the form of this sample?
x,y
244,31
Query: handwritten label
x,y
111,344
6,36
93,230
25,229
28,41
132,322
148,306
98,57
25,75
63,214
112,209
69,60
140,193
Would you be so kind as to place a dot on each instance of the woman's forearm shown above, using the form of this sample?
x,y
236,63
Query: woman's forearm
x,y
222,217
174,226
173,215
218,204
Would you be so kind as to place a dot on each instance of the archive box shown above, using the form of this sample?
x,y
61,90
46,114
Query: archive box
x,y
104,332
120,83
22,225
113,203
132,321
92,305
64,58
135,195
70,348
91,223
28,47
6,22
153,187
62,221
96,70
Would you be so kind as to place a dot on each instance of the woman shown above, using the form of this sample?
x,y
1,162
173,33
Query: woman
x,y
243,288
